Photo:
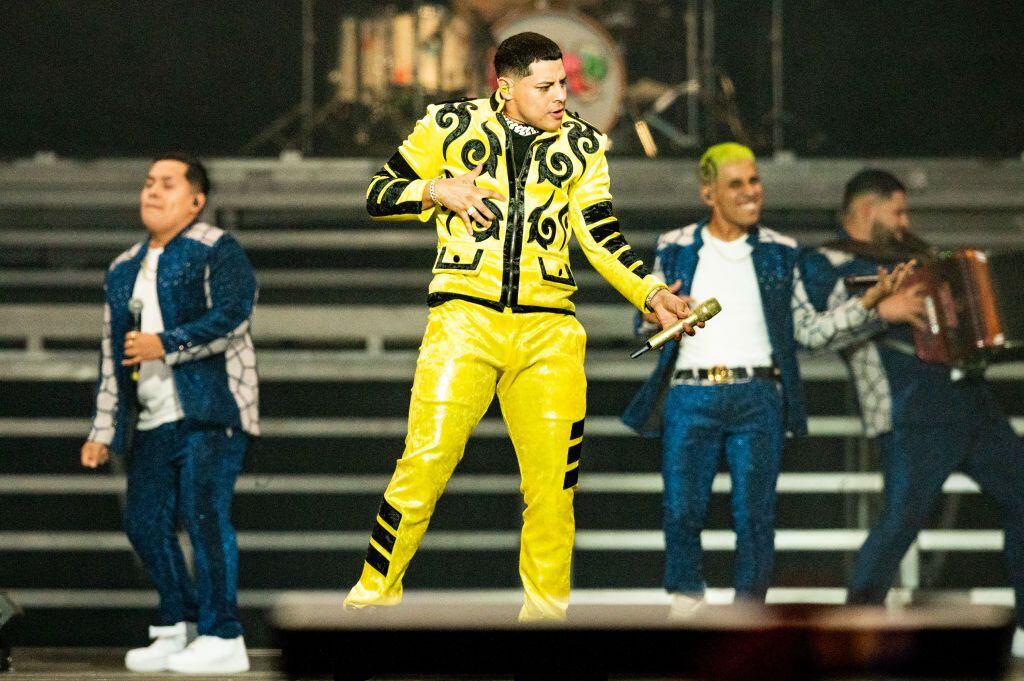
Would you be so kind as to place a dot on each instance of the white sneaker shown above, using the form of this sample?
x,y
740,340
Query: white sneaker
x,y
153,658
211,655
1018,643
684,606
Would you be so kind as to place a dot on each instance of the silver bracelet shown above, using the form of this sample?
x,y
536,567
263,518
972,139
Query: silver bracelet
x,y
432,192
650,297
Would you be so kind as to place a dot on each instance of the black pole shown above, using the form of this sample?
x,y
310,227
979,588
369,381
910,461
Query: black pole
x,y
308,54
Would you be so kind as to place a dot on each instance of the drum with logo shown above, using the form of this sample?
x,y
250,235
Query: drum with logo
x,y
593,64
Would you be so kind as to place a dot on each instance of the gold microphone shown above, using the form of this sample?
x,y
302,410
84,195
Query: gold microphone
x,y
703,312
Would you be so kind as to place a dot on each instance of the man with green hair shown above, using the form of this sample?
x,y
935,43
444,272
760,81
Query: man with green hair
x,y
734,389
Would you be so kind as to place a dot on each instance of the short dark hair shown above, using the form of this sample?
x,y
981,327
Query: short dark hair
x,y
195,172
871,181
516,53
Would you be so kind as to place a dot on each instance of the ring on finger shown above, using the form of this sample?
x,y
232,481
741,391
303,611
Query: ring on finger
x,y
470,210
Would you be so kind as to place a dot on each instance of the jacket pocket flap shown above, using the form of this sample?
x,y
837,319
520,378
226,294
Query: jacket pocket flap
x,y
556,272
456,258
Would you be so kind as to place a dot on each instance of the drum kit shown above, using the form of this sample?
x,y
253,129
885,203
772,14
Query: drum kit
x,y
393,62
432,54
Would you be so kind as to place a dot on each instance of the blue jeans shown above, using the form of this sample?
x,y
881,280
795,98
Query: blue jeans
x,y
975,438
185,473
743,421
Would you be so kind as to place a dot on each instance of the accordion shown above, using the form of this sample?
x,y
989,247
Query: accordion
x,y
973,307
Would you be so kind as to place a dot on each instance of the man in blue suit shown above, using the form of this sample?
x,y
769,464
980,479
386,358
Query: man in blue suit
x,y
734,389
929,419
186,361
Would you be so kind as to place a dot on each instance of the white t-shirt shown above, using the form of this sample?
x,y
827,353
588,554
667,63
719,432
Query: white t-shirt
x,y
738,335
158,398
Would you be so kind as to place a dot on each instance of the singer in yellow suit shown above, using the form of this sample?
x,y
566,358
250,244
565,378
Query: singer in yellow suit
x,y
506,181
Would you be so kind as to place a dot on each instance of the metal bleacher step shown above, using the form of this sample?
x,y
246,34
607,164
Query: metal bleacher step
x,y
396,426
405,239
595,483
374,427
786,540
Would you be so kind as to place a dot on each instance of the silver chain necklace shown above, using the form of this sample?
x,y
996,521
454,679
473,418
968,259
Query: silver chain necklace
x,y
521,129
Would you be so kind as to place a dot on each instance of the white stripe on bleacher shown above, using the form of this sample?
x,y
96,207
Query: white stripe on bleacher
x,y
336,365
267,598
470,483
346,278
400,238
586,540
603,426
304,239
339,365
607,426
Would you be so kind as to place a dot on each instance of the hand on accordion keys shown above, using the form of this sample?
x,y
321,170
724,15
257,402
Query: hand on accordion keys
x,y
898,297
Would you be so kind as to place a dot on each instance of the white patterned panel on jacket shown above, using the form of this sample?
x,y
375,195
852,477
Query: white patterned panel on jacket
x,y
204,233
125,256
243,381
767,235
838,327
865,363
217,345
103,424
873,391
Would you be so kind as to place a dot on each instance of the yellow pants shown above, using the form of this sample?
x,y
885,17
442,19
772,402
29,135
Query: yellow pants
x,y
534,361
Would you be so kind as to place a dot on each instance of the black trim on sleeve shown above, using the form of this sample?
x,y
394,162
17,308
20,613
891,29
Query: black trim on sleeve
x,y
597,212
602,232
399,166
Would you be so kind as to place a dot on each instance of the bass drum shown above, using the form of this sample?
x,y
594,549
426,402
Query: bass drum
x,y
593,64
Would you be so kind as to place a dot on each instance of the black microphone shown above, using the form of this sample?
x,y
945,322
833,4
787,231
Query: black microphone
x,y
860,280
135,310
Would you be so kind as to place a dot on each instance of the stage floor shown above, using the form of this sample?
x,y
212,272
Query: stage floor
x,y
94,664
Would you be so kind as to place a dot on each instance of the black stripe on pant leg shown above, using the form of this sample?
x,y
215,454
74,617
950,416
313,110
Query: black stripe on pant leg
x,y
577,430
377,560
574,453
391,516
571,478
383,537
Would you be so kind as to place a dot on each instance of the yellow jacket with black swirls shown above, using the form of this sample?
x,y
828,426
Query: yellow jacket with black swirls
x,y
520,262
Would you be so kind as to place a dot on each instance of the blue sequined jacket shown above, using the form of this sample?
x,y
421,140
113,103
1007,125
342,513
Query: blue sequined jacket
x,y
207,290
789,316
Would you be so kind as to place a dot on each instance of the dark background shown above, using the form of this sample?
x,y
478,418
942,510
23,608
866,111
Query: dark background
x,y
101,78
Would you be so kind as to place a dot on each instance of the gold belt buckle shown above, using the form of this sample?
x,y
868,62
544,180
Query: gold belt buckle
x,y
720,374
